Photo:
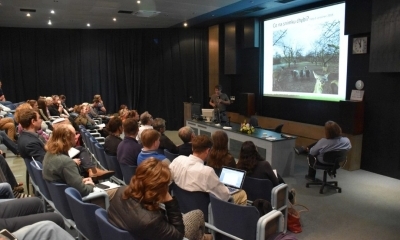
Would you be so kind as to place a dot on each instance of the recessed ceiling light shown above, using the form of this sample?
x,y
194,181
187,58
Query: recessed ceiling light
x,y
185,24
138,1
28,14
88,24
52,11
49,22
114,19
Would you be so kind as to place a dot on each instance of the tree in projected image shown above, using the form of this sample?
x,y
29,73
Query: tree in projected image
x,y
300,56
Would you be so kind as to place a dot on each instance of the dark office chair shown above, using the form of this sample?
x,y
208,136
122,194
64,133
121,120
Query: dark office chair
x,y
257,188
277,129
107,230
253,121
189,201
169,155
332,161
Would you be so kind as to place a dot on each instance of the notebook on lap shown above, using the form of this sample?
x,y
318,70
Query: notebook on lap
x,y
232,178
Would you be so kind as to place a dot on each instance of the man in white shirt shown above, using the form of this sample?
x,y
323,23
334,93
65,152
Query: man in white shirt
x,y
190,173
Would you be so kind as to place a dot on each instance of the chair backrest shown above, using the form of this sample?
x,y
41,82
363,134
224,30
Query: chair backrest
x,y
278,128
113,165
240,221
171,156
29,168
83,214
279,200
335,157
41,183
101,155
127,172
257,188
107,230
189,201
57,193
253,121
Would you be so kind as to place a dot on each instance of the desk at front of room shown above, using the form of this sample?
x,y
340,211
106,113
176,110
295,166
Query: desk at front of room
x,y
275,149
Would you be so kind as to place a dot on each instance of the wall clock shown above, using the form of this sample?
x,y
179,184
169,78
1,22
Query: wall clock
x,y
360,45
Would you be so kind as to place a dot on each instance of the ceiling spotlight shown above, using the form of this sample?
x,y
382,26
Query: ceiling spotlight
x,y
185,24
52,11
88,24
114,19
28,14
49,22
138,1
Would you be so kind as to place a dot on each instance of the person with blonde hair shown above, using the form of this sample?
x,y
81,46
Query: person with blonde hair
x,y
136,207
58,166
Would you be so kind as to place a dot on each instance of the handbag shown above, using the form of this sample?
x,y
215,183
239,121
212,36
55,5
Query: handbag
x,y
293,218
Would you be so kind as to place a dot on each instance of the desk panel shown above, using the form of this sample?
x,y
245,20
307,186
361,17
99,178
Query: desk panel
x,y
278,152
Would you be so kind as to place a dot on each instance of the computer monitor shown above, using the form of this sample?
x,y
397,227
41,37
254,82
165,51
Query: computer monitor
x,y
207,113
196,111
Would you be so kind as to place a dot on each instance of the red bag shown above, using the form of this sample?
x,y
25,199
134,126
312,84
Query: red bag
x,y
293,218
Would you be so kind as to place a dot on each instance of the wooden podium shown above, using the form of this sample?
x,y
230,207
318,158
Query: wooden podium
x,y
187,112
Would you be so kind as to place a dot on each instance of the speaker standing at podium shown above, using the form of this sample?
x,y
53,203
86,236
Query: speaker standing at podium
x,y
219,101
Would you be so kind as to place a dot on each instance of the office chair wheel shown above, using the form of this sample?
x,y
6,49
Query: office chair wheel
x,y
339,190
321,191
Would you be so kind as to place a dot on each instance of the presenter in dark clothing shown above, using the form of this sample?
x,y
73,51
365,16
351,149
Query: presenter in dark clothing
x,y
219,101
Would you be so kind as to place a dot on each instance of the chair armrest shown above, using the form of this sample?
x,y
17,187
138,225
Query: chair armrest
x,y
213,228
263,222
98,194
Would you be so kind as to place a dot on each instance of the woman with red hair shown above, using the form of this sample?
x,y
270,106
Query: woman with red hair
x,y
136,207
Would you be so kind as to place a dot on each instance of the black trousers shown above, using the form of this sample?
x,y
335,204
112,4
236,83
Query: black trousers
x,y
8,174
17,213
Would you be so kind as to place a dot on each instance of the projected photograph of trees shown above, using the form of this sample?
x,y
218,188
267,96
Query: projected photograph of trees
x,y
306,59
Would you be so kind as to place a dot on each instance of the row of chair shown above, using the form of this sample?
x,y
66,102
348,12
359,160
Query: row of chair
x,y
236,221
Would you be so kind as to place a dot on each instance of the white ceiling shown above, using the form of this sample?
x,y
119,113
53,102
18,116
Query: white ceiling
x,y
100,13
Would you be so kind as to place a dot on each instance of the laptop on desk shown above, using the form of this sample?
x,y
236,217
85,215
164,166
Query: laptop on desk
x,y
232,178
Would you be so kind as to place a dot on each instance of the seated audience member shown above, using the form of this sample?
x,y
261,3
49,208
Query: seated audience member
x,y
42,230
333,141
19,213
43,109
42,134
7,124
129,149
29,143
63,99
83,159
98,105
55,108
133,114
186,134
135,208
33,104
58,166
86,121
151,141
190,173
146,121
114,128
165,142
219,155
254,165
